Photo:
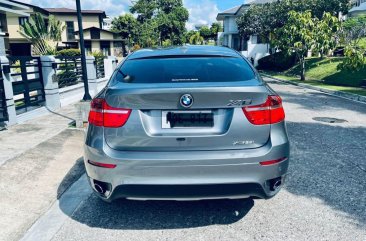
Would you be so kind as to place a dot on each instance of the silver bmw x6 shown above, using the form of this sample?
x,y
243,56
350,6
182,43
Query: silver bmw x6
x,y
186,123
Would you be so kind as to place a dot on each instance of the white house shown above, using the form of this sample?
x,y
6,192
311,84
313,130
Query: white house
x,y
253,48
107,23
358,9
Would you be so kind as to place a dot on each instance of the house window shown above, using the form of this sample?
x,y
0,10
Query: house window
x,y
23,20
88,46
105,47
3,24
244,44
236,42
95,34
70,28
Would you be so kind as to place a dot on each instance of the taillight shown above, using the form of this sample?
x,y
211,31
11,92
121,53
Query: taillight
x,y
103,165
273,162
270,112
101,114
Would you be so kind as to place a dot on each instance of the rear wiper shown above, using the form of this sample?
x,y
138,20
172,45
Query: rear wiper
x,y
126,78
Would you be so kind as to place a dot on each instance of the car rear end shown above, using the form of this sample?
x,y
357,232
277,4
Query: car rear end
x,y
186,124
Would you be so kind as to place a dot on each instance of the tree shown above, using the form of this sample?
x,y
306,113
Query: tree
x,y
319,7
162,19
264,19
215,29
188,35
144,8
205,32
352,31
167,43
127,26
298,36
44,37
196,39
350,34
325,30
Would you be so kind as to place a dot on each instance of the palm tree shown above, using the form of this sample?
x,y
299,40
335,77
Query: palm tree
x,y
44,37
196,39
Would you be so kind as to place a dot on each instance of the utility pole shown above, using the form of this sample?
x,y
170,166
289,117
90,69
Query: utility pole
x,y
82,48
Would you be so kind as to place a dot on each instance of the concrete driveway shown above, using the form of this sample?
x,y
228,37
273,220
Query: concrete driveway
x,y
324,198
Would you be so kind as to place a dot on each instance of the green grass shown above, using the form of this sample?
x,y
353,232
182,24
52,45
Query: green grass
x,y
348,89
324,73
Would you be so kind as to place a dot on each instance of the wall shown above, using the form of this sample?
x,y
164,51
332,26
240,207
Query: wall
x,y
88,21
95,46
257,51
13,28
106,35
230,25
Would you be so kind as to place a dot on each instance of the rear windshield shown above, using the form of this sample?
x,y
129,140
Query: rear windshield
x,y
198,69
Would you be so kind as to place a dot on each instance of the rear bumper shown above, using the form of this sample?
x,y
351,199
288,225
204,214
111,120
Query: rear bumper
x,y
188,175
188,192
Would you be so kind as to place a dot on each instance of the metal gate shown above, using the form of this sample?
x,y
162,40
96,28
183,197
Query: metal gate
x,y
3,109
27,83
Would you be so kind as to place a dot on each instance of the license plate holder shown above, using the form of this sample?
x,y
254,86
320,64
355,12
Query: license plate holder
x,y
187,119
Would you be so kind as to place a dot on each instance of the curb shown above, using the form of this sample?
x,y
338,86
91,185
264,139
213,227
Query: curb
x,y
341,94
47,226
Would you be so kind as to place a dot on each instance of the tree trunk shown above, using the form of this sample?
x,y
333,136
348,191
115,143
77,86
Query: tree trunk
x,y
302,66
321,55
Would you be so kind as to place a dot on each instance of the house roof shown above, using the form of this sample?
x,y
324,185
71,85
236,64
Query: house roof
x,y
103,30
116,37
260,1
232,10
39,9
14,8
69,10
236,10
59,10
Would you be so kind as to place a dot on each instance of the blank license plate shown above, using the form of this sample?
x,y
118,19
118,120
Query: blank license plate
x,y
187,119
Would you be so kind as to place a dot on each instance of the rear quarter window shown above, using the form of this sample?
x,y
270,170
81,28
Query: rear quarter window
x,y
174,70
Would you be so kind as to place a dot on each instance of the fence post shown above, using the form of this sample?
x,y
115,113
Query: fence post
x,y
110,64
92,75
9,94
51,89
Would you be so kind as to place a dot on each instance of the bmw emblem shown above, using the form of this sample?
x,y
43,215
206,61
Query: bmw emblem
x,y
186,100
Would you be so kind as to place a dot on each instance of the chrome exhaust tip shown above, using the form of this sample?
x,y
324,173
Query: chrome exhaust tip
x,y
99,189
275,184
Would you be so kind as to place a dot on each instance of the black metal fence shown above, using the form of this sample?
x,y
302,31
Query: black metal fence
x,y
28,88
99,66
3,109
69,70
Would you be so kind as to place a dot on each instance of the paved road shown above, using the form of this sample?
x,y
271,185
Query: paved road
x,y
324,198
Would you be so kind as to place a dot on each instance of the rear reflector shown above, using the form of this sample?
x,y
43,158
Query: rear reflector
x,y
270,112
104,165
273,162
101,114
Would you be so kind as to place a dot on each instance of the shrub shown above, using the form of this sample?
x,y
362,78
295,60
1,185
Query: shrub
x,y
167,43
135,47
97,54
69,52
67,74
279,61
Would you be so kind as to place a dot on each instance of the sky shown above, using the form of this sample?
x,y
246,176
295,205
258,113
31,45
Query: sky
x,y
200,11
